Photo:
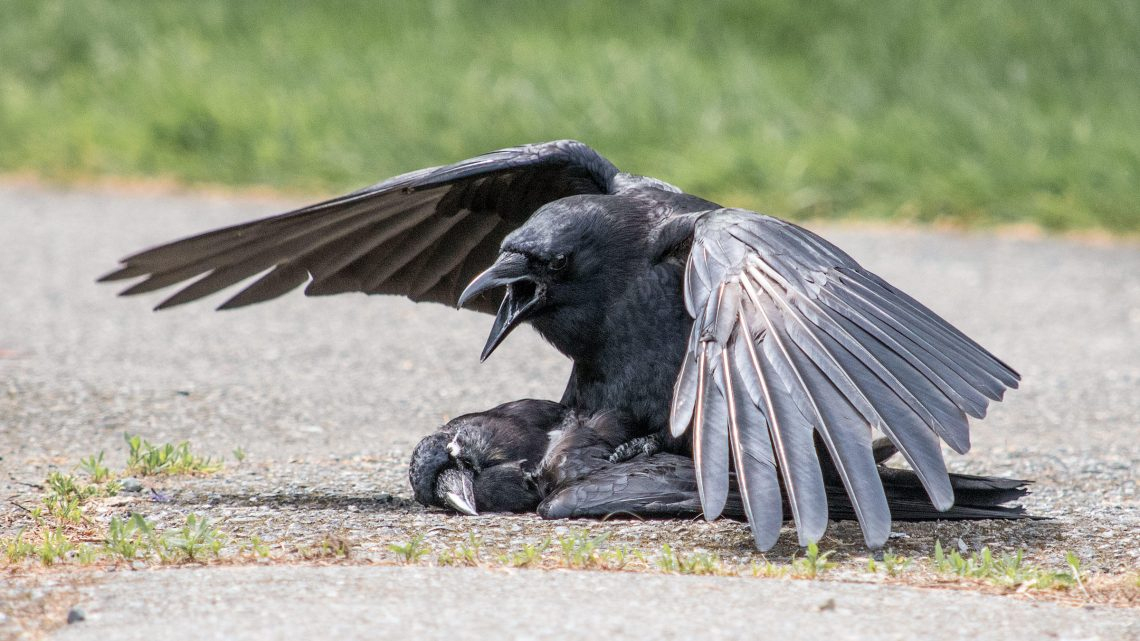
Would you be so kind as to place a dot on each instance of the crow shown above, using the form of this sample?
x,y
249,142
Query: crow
x,y
486,460
586,468
732,337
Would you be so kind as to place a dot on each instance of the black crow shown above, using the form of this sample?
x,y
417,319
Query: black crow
x,y
586,468
733,336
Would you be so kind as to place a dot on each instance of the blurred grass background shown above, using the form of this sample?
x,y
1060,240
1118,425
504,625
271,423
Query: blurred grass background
x,y
979,112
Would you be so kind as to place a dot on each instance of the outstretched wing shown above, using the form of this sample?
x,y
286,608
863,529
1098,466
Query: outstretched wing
x,y
793,339
423,235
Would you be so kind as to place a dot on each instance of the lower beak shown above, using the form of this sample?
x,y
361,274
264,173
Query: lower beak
x,y
522,297
456,488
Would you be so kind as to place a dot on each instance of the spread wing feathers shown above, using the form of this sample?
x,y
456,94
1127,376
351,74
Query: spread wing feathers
x,y
791,339
424,234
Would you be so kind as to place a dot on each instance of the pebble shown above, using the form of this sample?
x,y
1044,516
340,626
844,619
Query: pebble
x,y
130,484
75,615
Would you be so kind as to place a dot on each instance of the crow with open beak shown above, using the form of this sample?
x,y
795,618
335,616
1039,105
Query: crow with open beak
x,y
735,338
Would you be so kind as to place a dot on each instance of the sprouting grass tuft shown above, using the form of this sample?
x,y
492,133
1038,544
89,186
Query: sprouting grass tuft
x,y
65,495
529,555
144,458
468,553
17,548
128,539
54,547
254,547
675,562
891,563
95,468
812,563
410,552
196,539
1009,570
579,549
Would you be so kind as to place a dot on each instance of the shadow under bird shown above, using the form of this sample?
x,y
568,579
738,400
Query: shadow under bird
x,y
733,337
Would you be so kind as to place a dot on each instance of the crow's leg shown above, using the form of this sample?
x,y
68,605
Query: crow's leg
x,y
647,445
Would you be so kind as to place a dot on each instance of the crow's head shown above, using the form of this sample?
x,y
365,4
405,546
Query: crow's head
x,y
483,462
560,269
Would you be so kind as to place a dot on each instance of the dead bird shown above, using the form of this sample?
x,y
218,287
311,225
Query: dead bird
x,y
592,467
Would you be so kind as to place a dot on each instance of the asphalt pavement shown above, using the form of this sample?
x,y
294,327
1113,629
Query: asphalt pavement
x,y
302,379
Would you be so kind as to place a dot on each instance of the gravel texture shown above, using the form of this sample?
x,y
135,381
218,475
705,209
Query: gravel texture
x,y
327,397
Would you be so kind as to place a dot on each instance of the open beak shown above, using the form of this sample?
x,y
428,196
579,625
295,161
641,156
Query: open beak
x,y
457,488
522,297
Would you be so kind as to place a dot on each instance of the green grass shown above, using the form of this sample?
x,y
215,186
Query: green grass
x,y
145,458
410,552
979,112
1008,570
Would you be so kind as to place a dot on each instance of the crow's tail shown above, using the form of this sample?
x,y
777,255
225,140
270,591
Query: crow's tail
x,y
975,498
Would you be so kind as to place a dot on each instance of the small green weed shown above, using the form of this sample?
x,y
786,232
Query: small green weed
x,y
86,554
892,563
16,549
530,555
54,547
812,563
127,538
767,569
94,467
1008,570
580,550
66,486
63,510
465,554
144,458
410,552
195,539
674,562
257,547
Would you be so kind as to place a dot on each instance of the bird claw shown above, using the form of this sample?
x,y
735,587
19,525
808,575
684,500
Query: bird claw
x,y
647,445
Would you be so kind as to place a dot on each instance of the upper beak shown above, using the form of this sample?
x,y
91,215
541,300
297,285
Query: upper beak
x,y
510,268
457,488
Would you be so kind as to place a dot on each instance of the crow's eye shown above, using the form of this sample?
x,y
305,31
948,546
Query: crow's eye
x,y
558,263
469,462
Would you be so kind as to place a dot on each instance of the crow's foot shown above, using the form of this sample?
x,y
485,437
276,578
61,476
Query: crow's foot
x,y
647,445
